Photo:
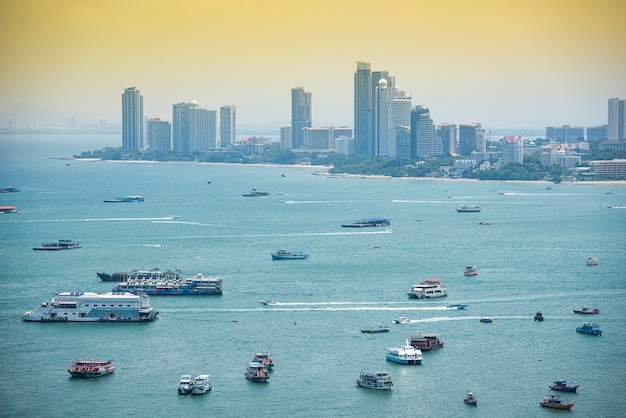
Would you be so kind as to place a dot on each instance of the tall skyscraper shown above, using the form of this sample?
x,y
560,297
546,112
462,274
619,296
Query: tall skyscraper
x,y
447,133
159,135
300,115
227,126
471,138
424,135
194,128
617,120
363,104
132,119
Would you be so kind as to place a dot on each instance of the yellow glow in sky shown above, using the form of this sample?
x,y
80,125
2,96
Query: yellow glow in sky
x,y
497,62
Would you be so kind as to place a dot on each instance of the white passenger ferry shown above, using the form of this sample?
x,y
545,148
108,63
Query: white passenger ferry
x,y
94,307
429,288
374,380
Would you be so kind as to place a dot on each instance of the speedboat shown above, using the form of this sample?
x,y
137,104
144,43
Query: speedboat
x,y
592,261
470,271
563,386
402,320
486,320
374,380
185,386
553,401
590,328
458,306
406,354
470,399
268,302
201,384
587,311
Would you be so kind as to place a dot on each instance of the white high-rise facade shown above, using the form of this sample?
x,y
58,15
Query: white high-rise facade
x,y
132,119
617,120
194,129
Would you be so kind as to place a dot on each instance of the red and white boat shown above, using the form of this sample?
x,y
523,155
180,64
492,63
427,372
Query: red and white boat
x,y
92,368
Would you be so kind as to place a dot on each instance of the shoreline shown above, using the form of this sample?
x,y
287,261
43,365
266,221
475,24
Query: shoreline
x,y
358,176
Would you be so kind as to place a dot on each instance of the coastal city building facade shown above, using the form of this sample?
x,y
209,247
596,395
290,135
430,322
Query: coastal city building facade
x,y
159,135
617,119
132,119
512,151
228,126
193,128
447,133
300,116
424,135
471,138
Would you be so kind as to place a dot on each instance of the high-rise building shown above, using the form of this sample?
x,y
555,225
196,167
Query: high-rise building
x,y
194,129
159,135
617,120
399,115
285,137
403,143
598,133
565,133
324,138
447,133
227,126
471,138
512,151
424,136
132,119
300,115
363,107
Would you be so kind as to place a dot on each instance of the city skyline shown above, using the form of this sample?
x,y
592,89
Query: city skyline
x,y
532,64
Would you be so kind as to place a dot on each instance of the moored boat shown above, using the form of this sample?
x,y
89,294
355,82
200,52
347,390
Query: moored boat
x,y
256,193
185,385
587,311
407,354
62,244
470,399
154,274
427,342
402,320
8,209
467,208
592,261
539,316
289,255
470,271
555,402
590,328
256,372
93,307
198,285
265,359
91,368
374,380
429,288
368,222
381,328
562,386
201,384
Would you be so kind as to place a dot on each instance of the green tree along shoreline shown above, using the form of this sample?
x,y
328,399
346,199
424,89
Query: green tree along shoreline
x,y
530,170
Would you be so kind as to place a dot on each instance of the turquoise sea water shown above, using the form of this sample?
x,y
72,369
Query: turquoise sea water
x,y
532,257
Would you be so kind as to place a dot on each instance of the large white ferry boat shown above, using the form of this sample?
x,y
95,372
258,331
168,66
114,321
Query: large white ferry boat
x,y
197,285
429,288
94,307
406,354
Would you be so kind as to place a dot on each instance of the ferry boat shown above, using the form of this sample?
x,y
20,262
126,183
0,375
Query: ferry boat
x,y
563,386
429,288
256,193
368,222
124,199
553,401
62,244
470,271
590,328
592,261
185,386
289,255
91,368
265,359
93,307
406,354
470,399
587,311
198,285
256,372
201,384
8,209
466,208
154,274
374,380
427,342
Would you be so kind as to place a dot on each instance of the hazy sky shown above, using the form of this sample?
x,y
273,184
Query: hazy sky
x,y
498,62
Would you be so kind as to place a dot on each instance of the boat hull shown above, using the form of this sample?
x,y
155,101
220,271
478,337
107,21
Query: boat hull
x,y
565,406
564,388
409,362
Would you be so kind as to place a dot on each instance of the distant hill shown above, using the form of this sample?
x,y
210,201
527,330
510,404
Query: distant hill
x,y
28,113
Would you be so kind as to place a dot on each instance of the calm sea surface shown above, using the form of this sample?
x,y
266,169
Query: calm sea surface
x,y
532,257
